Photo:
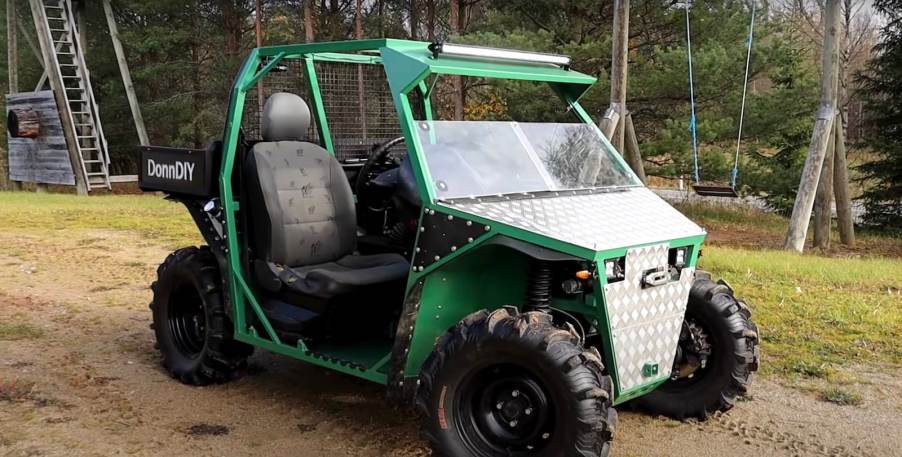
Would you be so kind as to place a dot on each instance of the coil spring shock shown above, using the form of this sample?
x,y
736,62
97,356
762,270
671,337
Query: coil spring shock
x,y
538,293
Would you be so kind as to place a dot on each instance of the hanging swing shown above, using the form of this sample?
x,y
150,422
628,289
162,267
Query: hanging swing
x,y
713,189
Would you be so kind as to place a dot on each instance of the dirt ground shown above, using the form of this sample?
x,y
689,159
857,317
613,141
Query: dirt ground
x,y
81,377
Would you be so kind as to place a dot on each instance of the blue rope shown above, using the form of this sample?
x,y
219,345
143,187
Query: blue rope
x,y
692,118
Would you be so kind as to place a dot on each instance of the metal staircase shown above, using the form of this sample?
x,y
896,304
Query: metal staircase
x,y
82,117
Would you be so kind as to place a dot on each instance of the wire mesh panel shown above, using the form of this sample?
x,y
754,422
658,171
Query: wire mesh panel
x,y
288,76
359,107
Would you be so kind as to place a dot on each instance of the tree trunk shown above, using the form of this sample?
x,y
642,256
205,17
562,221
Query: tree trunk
x,y
23,123
817,150
619,68
823,201
430,20
457,81
309,31
841,186
633,157
231,23
361,97
414,19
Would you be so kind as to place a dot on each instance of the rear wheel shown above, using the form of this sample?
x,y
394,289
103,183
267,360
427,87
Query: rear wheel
x,y
193,332
514,385
717,355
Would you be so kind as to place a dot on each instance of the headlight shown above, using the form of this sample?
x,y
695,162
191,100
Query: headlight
x,y
614,269
679,257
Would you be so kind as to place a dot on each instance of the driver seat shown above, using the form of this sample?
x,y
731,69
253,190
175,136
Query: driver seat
x,y
303,227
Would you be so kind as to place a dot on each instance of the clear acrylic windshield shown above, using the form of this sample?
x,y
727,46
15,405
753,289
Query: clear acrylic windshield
x,y
480,158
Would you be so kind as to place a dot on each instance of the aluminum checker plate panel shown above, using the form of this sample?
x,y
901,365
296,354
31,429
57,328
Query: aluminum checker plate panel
x,y
598,221
645,322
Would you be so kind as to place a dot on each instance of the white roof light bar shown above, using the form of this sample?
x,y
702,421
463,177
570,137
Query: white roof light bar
x,y
500,54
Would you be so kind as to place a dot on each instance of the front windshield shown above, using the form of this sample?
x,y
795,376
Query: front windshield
x,y
481,158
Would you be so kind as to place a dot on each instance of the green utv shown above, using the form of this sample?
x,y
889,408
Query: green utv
x,y
510,276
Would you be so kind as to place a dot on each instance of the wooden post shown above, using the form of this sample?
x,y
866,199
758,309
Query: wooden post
x,y
82,25
619,67
822,135
12,60
309,32
841,185
823,200
56,82
609,121
633,157
126,73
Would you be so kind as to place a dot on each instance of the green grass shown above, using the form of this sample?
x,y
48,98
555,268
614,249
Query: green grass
x,y
149,215
18,330
841,397
816,312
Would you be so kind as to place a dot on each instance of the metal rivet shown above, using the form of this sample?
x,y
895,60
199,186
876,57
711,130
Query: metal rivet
x,y
437,316
515,393
513,423
469,223
528,411
437,257
453,248
487,228
422,229
417,249
450,217
470,240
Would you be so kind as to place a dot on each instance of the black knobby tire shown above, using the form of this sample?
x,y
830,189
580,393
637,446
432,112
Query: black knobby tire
x,y
733,339
468,384
194,334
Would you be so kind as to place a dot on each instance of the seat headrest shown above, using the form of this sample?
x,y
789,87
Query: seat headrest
x,y
285,118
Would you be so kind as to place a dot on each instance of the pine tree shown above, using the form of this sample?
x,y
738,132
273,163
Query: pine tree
x,y
883,102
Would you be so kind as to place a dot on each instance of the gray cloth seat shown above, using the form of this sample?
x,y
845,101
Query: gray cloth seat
x,y
304,225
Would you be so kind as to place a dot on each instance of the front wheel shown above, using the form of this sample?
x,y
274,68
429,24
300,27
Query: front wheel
x,y
194,334
717,354
511,384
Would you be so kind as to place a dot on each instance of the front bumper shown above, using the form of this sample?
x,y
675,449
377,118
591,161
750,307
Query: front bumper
x,y
644,322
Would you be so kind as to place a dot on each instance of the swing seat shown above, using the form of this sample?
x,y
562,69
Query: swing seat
x,y
714,190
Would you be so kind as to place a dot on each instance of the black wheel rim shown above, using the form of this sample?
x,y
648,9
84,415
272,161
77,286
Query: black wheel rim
x,y
505,410
688,353
187,322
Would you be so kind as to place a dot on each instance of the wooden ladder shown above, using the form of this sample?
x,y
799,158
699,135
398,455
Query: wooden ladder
x,y
82,117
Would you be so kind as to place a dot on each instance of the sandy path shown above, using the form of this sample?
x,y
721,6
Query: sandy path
x,y
91,383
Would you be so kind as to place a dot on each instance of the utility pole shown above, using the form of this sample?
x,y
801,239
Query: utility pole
x,y
822,135
617,122
126,73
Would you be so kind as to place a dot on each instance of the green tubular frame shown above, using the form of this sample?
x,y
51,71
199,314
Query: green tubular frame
x,y
408,65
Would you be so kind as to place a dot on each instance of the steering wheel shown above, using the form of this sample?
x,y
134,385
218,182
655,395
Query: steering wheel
x,y
378,156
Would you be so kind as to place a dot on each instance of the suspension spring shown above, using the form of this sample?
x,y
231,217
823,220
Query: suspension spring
x,y
538,294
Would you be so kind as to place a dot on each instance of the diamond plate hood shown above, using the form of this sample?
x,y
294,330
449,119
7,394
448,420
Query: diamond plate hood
x,y
598,221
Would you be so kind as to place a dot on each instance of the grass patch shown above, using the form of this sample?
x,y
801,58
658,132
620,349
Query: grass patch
x,y
841,396
149,215
18,330
816,312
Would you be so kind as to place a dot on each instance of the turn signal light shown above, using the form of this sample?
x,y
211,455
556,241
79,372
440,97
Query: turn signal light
x,y
583,274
